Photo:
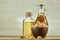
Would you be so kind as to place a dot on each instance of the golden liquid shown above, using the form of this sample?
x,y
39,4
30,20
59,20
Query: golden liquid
x,y
27,28
42,19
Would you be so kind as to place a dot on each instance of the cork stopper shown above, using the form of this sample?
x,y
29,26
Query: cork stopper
x,y
41,6
28,14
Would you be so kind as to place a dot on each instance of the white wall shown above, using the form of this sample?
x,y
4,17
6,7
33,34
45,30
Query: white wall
x,y
12,12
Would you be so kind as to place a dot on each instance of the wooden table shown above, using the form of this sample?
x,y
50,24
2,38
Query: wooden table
x,y
18,38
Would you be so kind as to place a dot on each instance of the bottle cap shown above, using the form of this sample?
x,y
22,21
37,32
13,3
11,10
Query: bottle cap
x,y
41,5
28,14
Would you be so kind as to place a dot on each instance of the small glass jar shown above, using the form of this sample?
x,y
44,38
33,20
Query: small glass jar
x,y
28,22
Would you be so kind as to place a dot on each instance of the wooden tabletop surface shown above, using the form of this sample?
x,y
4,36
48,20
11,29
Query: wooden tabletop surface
x,y
19,38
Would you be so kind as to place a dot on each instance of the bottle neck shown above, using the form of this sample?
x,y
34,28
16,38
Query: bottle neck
x,y
42,11
28,17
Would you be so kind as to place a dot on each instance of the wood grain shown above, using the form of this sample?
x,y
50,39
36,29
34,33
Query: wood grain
x,y
19,38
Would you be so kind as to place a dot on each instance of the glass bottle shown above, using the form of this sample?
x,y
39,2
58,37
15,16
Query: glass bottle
x,y
41,15
41,24
28,22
